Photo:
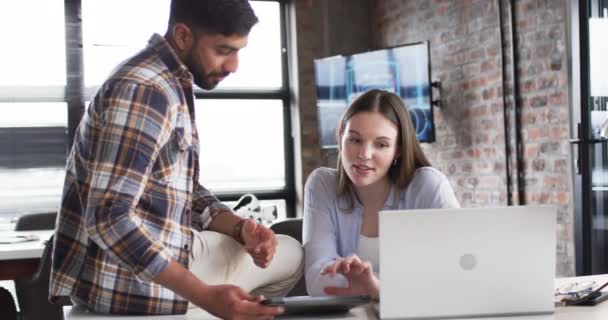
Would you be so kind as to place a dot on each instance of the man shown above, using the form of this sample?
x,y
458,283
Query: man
x,y
123,241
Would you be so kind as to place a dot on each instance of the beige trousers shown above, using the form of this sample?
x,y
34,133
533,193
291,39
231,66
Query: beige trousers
x,y
219,259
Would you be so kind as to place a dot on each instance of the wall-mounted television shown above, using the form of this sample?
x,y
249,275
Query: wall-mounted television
x,y
404,70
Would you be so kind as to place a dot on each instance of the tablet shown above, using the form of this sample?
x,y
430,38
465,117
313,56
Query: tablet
x,y
325,304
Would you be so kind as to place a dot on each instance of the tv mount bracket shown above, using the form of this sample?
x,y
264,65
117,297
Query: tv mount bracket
x,y
436,85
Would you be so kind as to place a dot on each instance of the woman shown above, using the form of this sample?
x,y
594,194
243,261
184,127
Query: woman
x,y
380,167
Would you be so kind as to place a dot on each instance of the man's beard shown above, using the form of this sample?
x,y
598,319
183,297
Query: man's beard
x,y
201,78
203,82
206,82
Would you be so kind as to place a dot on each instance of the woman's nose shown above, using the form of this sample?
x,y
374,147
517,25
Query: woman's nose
x,y
364,154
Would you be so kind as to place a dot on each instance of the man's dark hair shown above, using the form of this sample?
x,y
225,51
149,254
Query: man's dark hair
x,y
226,17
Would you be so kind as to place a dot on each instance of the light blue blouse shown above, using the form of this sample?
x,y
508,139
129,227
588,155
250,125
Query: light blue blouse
x,y
329,232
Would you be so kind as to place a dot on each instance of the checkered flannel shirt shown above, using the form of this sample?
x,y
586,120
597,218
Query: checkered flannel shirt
x,y
131,191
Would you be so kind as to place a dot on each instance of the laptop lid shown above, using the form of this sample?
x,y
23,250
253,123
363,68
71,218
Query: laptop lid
x,y
468,262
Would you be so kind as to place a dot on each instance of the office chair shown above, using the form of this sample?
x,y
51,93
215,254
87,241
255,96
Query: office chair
x,y
292,228
32,294
8,310
36,221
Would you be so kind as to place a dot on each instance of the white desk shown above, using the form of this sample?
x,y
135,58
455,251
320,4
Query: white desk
x,y
71,313
599,312
21,259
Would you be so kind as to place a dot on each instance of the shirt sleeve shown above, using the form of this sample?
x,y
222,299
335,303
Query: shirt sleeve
x,y
433,190
445,197
319,235
205,207
134,123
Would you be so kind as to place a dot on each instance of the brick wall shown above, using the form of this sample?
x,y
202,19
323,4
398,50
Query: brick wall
x,y
472,58
543,84
466,58
324,28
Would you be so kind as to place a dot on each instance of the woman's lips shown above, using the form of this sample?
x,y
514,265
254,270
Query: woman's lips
x,y
362,169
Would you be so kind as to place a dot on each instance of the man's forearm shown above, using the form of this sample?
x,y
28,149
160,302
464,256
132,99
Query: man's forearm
x,y
181,281
225,223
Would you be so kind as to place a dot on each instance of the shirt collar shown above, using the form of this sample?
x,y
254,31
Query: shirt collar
x,y
169,57
390,204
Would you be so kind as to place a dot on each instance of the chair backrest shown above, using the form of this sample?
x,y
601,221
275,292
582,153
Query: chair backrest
x,y
36,221
290,227
8,310
33,293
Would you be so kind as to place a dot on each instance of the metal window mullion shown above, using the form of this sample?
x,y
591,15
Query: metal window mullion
x,y
32,94
586,238
241,95
260,194
74,91
290,196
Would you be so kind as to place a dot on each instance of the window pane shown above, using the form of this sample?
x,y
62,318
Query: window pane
x,y
260,62
598,51
241,144
33,148
110,35
19,194
43,114
33,35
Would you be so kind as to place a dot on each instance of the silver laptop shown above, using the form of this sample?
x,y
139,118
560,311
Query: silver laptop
x,y
475,262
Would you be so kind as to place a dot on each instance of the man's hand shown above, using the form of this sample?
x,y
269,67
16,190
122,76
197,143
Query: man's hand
x,y
260,242
231,302
223,301
360,276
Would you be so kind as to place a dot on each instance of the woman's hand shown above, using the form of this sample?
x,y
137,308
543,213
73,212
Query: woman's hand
x,y
360,276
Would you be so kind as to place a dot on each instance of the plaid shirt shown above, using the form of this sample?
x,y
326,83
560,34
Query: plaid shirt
x,y
130,189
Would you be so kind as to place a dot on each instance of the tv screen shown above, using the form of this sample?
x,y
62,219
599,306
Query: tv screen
x,y
403,70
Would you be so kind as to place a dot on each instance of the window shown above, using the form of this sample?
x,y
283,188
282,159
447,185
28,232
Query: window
x,y
244,150
260,65
109,35
33,116
34,55
33,140
244,125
